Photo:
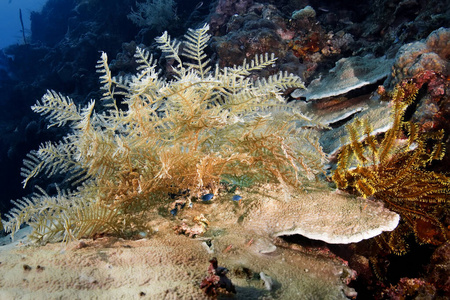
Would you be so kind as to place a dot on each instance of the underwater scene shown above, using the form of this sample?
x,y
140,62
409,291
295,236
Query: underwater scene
x,y
228,149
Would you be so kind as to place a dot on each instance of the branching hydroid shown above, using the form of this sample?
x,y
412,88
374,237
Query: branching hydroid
x,y
157,137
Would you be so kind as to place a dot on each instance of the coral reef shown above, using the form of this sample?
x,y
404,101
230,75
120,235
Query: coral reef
x,y
401,22
308,45
301,44
430,54
438,269
306,12
348,74
252,33
61,53
410,287
393,170
225,9
157,14
156,137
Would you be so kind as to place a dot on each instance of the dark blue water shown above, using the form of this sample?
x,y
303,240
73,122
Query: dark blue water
x,y
10,26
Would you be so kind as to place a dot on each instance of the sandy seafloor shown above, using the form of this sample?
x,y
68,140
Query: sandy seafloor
x,y
165,265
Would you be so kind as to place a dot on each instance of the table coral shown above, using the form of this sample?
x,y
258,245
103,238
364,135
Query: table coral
x,y
348,74
332,217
